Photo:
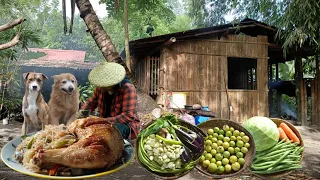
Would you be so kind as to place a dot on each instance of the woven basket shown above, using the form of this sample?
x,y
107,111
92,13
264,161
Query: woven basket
x,y
278,175
161,175
248,157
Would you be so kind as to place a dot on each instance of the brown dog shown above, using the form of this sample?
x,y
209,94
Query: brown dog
x,y
64,100
35,110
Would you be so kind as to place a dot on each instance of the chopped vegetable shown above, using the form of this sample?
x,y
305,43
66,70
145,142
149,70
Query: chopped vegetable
x,y
167,147
290,133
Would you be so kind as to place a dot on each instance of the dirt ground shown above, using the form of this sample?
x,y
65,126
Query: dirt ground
x,y
311,159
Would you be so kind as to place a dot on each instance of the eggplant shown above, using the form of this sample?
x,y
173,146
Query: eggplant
x,y
185,156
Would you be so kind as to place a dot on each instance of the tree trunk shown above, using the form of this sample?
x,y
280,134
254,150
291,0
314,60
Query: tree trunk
x,y
145,104
100,36
300,93
126,29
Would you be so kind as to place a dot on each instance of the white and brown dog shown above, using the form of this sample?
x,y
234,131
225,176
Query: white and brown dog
x,y
35,110
64,99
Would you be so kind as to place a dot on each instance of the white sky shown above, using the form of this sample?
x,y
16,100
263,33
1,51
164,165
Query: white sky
x,y
100,9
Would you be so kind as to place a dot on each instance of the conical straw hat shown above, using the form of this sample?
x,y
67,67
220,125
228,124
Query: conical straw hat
x,y
107,74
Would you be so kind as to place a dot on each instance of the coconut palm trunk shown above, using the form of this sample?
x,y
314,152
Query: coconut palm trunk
x,y
145,103
100,36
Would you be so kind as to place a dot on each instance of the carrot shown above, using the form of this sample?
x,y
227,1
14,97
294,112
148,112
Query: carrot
x,y
283,134
53,170
290,133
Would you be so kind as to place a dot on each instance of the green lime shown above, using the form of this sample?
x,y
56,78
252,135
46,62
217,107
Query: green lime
x,y
210,131
225,161
220,169
236,133
232,144
202,158
225,145
208,156
247,145
239,144
212,167
206,138
220,149
231,129
221,132
239,138
239,155
244,150
245,139
213,160
218,157
215,135
214,139
226,154
210,136
219,142
227,168
242,134
233,138
205,163
208,148
213,152
216,129
228,133
225,128
241,161
235,166
233,159
226,139
231,150
237,150
214,146
220,137
208,142
219,163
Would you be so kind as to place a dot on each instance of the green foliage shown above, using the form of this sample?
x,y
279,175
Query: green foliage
x,y
86,91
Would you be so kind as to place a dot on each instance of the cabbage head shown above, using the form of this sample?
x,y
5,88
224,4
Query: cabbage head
x,y
264,131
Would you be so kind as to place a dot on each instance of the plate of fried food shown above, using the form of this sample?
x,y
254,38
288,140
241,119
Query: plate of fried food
x,y
87,148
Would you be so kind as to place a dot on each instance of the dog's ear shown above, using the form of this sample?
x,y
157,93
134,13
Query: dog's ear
x,y
25,75
54,78
44,76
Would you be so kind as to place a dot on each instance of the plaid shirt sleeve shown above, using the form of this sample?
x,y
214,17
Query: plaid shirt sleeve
x,y
92,103
129,101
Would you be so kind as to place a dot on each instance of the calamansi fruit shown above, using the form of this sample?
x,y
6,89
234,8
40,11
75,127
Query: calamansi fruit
x,y
205,163
212,167
233,159
227,168
210,131
245,139
235,166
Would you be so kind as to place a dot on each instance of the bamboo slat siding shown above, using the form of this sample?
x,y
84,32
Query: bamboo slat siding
x,y
200,68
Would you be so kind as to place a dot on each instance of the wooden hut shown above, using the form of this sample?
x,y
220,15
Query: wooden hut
x,y
224,67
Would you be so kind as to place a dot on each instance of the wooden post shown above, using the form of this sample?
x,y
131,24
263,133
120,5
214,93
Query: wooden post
x,y
270,94
317,93
279,95
300,93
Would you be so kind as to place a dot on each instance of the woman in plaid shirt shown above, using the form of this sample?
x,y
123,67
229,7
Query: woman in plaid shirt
x,y
115,97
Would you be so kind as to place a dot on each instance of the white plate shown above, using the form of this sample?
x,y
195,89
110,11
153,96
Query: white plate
x,y
9,149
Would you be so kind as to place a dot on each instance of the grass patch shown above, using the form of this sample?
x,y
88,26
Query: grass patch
x,y
32,55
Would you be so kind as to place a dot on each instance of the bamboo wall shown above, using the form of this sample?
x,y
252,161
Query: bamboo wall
x,y
199,68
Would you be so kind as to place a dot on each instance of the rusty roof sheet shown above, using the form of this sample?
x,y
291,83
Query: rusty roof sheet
x,y
57,58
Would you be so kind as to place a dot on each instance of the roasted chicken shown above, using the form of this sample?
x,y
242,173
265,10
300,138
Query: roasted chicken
x,y
99,145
